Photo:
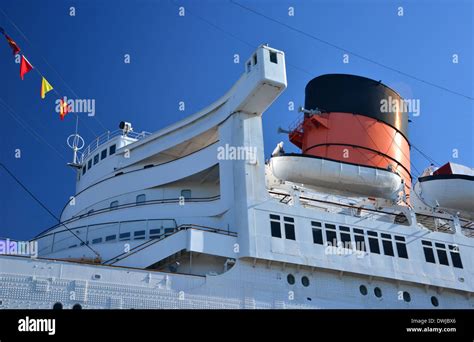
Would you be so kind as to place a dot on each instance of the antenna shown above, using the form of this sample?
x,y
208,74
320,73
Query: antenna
x,y
76,143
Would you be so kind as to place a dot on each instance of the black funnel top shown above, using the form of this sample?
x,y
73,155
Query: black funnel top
x,y
355,94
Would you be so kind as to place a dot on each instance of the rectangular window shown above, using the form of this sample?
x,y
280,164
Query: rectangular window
x,y
155,233
442,256
186,193
139,235
141,199
360,240
255,59
169,230
84,170
103,154
387,244
401,247
273,57
112,150
124,236
276,229
89,164
317,233
98,240
96,158
289,228
331,237
429,255
455,256
345,237
111,238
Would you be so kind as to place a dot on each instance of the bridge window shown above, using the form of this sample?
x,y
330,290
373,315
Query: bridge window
x,y
331,238
373,242
98,240
255,59
125,236
401,247
96,158
428,251
112,149
114,204
110,238
455,256
139,235
317,232
84,169
155,233
387,244
169,231
141,198
273,57
275,226
289,228
89,164
103,154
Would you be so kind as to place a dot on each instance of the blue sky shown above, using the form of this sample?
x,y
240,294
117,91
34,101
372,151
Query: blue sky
x,y
191,59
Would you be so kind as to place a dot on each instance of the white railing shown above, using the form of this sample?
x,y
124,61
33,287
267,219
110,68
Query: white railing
x,y
105,137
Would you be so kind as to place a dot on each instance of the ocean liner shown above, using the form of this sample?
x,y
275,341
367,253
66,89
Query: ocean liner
x,y
193,216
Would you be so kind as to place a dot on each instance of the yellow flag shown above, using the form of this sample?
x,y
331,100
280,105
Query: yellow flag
x,y
45,87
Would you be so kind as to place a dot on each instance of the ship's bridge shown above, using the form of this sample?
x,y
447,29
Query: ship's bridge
x,y
99,158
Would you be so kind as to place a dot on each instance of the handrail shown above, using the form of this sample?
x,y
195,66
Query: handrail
x,y
129,205
105,137
151,242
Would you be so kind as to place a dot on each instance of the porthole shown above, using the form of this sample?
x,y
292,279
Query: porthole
x,y
378,292
406,296
77,306
291,279
57,306
305,281
434,301
363,290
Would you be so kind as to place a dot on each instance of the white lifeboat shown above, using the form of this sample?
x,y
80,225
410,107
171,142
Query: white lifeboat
x,y
451,188
336,177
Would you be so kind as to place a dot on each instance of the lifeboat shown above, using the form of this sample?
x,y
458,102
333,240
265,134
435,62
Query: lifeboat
x,y
451,187
336,177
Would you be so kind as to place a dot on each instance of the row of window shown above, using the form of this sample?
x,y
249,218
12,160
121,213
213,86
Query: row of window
x,y
126,236
94,160
442,254
331,236
378,242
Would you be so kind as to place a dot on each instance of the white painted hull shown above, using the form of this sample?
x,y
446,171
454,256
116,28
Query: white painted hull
x,y
39,284
336,177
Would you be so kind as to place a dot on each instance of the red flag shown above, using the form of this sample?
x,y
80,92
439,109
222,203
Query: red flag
x,y
63,109
25,66
13,45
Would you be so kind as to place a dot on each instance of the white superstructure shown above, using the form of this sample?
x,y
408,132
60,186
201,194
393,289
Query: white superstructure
x,y
192,216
